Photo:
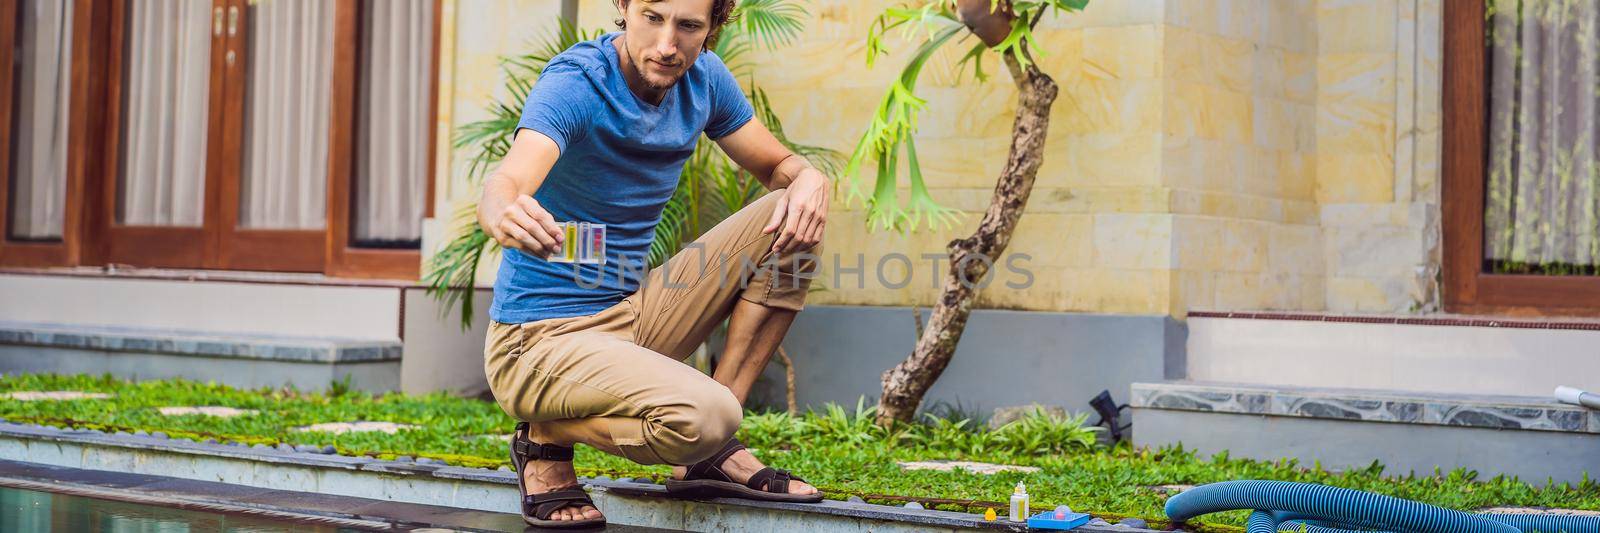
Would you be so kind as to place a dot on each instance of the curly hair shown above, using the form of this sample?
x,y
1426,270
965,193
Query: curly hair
x,y
722,13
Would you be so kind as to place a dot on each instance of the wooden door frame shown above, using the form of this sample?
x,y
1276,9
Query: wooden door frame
x,y
283,250
151,246
83,110
1468,288
344,258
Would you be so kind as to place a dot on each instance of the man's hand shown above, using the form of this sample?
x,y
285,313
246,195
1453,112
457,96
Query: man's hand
x,y
507,211
801,213
526,226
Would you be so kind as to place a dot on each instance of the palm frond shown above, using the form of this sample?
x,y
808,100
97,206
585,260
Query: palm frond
x,y
773,23
732,52
669,232
453,272
492,136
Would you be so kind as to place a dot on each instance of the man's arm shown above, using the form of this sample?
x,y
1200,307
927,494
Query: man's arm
x,y
755,149
507,211
803,210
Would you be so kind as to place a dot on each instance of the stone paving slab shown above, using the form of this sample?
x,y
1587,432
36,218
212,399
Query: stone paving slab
x,y
54,395
206,410
970,466
356,427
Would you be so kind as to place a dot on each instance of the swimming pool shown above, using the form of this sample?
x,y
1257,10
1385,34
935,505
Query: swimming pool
x,y
27,511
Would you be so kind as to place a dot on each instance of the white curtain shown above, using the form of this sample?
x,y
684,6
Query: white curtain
x,y
1543,209
43,89
164,115
286,107
392,145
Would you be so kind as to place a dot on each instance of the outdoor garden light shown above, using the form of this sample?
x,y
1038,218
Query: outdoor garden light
x,y
1110,413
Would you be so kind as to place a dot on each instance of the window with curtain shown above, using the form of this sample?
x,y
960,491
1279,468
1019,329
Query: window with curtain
x,y
41,90
166,93
288,89
393,122
1542,214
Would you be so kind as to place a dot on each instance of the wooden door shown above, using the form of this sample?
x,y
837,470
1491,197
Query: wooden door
x,y
151,36
156,134
269,244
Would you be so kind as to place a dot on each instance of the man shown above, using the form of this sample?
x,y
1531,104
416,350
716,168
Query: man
x,y
593,353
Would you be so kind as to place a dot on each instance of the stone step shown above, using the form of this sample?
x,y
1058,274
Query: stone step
x,y
240,359
279,304
1532,437
1427,353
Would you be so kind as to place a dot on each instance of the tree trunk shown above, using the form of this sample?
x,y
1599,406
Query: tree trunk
x,y
971,258
788,382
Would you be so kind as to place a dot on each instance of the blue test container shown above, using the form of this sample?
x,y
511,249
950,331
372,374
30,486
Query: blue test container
x,y
1047,521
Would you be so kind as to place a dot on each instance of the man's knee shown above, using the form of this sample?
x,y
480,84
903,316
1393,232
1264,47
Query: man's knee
x,y
699,426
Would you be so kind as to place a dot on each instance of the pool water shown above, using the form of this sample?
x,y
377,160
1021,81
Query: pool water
x,y
26,511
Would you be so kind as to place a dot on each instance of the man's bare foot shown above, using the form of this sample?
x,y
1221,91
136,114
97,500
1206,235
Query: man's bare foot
x,y
549,476
741,465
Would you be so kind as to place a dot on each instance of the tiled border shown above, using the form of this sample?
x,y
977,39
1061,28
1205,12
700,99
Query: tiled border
x,y
1436,320
209,344
1492,412
472,488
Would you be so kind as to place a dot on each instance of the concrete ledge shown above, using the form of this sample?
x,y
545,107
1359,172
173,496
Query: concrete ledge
x,y
1432,353
1369,405
241,360
380,376
1006,358
277,307
361,514
1533,456
1343,428
624,502
197,343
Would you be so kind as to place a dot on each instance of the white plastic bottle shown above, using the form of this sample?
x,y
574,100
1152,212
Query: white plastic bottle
x,y
1019,503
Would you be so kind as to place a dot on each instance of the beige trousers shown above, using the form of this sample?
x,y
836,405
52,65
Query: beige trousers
x,y
616,379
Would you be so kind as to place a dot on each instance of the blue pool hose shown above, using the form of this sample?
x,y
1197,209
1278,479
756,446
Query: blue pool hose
x,y
1324,509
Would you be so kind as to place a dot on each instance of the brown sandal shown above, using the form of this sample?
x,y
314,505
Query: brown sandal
x,y
537,508
706,479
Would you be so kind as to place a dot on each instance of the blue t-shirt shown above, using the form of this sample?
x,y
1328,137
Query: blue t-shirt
x,y
619,164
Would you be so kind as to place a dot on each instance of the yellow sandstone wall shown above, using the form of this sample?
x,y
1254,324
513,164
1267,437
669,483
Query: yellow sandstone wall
x,y
1238,154
1095,227
1378,78
1203,154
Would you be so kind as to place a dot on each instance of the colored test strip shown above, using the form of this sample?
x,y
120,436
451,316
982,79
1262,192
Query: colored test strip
x,y
583,242
569,247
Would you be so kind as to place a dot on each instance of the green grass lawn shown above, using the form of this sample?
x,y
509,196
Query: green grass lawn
x,y
839,449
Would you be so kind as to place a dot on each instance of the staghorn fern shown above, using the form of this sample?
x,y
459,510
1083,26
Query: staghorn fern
x,y
710,188
893,126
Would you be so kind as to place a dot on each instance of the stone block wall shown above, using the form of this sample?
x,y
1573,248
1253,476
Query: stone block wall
x,y
1378,152
1238,154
